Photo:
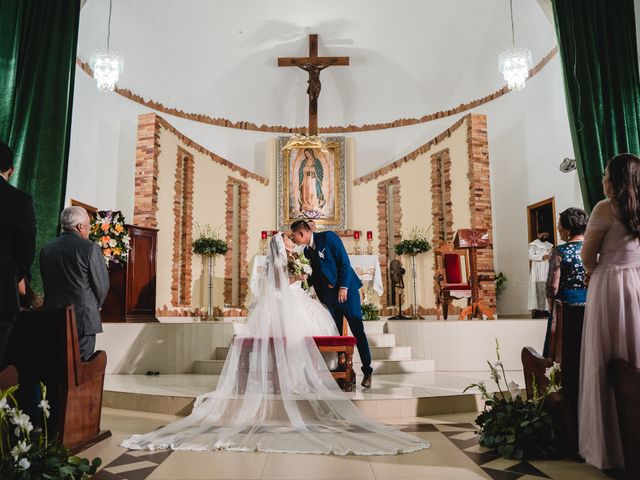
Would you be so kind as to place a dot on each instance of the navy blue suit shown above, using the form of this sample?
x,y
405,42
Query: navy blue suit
x,y
332,271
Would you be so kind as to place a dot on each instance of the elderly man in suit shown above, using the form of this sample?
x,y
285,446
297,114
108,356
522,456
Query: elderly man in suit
x,y
17,247
336,284
74,273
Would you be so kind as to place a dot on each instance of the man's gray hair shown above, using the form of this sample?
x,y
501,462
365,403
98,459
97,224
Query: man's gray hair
x,y
72,216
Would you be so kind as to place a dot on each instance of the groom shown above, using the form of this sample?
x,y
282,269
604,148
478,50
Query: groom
x,y
336,284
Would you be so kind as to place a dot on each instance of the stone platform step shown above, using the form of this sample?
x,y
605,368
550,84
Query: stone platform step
x,y
381,367
381,339
377,353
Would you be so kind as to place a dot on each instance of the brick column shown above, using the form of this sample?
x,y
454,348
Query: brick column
x,y
442,215
480,199
243,220
146,179
383,227
183,229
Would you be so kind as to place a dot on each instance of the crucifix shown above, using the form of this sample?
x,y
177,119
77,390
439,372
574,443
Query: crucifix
x,y
313,65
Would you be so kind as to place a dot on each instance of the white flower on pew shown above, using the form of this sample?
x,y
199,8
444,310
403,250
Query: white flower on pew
x,y
21,421
20,448
550,372
44,405
24,464
513,389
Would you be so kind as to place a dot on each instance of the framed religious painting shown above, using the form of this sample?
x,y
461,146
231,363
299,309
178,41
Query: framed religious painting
x,y
312,183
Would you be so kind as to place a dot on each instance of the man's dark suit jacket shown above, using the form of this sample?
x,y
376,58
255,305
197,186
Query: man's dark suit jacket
x,y
17,243
74,273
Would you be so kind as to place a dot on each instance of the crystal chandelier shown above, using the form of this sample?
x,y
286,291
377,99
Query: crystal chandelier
x,y
515,63
107,65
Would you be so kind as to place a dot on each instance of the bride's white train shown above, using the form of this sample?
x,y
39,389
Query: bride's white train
x,y
275,393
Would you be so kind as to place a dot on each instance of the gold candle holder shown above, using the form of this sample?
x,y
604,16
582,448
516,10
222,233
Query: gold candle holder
x,y
369,249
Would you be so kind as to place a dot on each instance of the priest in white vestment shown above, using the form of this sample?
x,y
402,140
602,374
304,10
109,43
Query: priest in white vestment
x,y
539,253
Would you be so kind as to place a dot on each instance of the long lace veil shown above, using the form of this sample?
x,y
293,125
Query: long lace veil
x,y
275,393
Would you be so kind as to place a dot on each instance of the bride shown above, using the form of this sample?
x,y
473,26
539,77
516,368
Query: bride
x,y
275,392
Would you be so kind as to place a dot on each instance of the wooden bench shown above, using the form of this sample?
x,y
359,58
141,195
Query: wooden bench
x,y
565,345
44,347
8,377
625,379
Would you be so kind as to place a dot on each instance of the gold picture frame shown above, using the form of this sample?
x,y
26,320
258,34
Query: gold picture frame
x,y
311,184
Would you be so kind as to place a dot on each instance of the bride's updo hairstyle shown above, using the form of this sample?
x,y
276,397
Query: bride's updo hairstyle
x,y
624,179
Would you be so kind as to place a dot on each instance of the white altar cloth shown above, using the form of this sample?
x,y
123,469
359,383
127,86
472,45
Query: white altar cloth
x,y
367,267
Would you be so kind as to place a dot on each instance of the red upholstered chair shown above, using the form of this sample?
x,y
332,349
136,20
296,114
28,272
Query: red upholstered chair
x,y
452,278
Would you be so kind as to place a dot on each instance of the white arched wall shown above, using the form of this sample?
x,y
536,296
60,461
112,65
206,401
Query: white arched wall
x,y
528,137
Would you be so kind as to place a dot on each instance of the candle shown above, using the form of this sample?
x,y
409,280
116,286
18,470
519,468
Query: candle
x,y
264,235
273,232
356,235
369,235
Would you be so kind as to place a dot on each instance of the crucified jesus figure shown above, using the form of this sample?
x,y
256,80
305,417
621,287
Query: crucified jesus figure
x,y
314,78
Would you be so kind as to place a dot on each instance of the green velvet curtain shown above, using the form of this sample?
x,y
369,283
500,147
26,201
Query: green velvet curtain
x,y
597,40
38,41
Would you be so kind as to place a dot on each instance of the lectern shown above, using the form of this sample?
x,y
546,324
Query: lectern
x,y
132,287
472,239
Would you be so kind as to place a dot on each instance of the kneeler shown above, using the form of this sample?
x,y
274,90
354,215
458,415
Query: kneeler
x,y
343,345
565,344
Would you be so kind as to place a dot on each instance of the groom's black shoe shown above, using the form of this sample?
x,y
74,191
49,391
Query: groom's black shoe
x,y
366,381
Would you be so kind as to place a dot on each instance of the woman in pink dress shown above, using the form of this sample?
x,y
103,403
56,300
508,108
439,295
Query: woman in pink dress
x,y
611,256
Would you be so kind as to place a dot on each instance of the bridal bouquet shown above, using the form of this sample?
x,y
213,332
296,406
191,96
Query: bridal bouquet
x,y
515,427
299,265
27,455
110,234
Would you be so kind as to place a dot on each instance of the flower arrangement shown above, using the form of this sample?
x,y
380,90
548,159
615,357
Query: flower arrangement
x,y
414,245
370,311
208,242
511,426
299,266
26,455
110,234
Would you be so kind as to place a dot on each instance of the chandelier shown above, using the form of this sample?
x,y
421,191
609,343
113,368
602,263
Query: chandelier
x,y
515,63
300,140
107,65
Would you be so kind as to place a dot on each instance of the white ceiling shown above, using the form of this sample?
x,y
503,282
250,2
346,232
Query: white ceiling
x,y
218,57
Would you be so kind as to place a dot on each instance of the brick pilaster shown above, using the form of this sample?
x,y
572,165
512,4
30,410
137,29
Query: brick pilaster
x,y
146,179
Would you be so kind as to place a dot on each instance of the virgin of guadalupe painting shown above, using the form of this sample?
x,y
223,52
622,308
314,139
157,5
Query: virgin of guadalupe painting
x,y
312,183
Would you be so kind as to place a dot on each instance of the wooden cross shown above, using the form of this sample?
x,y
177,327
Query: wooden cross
x,y
313,65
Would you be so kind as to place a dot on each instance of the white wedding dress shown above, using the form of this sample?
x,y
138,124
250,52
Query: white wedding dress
x,y
275,393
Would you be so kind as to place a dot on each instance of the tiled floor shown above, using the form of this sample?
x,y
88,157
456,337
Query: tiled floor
x,y
454,454
397,386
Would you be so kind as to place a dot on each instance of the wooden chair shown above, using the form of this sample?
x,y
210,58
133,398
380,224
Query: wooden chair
x,y
452,278
8,377
344,346
625,380
565,347
44,347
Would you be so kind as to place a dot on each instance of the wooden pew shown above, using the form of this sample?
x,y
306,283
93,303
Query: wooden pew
x,y
44,347
625,380
8,377
564,347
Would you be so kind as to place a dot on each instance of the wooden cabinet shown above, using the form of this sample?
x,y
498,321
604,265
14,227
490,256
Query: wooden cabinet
x,y
132,288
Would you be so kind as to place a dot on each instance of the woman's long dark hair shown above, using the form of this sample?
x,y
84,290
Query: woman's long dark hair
x,y
624,177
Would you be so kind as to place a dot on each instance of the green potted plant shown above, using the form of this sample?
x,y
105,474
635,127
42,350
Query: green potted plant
x,y
209,245
512,426
29,455
415,244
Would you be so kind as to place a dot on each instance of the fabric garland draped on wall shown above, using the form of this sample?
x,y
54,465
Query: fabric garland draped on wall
x,y
597,43
38,40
